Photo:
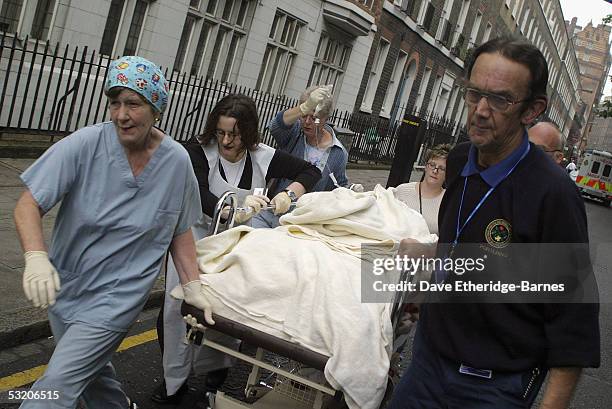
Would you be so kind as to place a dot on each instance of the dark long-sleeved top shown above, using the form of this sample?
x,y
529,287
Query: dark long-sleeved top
x,y
282,165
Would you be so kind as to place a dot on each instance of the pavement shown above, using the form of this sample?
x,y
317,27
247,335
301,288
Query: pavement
x,y
20,322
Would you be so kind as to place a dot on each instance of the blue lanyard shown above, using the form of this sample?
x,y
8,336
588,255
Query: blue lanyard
x,y
486,195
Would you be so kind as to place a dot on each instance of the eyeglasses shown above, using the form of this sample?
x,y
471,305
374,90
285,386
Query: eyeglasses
x,y
220,133
433,167
496,102
309,118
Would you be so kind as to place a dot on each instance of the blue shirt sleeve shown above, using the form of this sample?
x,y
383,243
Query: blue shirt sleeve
x,y
192,207
283,134
54,173
341,176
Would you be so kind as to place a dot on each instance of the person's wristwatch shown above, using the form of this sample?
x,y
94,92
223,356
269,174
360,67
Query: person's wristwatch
x,y
291,194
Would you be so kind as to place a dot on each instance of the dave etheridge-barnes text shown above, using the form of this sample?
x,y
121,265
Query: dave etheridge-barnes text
x,y
469,286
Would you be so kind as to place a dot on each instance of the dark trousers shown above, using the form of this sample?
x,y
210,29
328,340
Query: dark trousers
x,y
434,382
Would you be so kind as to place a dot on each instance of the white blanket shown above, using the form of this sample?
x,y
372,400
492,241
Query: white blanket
x,y
302,282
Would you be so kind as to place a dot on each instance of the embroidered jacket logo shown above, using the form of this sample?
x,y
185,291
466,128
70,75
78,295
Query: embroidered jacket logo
x,y
498,233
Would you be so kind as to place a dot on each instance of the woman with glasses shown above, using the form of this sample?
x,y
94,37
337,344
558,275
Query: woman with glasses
x,y
425,196
228,156
303,131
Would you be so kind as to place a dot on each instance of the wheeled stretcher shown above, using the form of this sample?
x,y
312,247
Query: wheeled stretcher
x,y
293,383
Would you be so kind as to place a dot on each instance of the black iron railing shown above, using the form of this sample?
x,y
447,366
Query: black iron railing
x,y
53,91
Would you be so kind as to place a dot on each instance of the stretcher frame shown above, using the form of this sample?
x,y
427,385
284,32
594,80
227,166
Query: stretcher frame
x,y
323,395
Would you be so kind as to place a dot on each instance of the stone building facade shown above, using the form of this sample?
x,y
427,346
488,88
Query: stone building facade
x,y
593,52
421,46
600,134
384,57
276,46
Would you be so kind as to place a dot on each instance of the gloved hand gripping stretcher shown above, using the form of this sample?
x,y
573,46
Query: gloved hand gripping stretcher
x,y
295,291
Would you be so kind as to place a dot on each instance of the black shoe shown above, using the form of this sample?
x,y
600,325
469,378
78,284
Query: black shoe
x,y
215,379
160,396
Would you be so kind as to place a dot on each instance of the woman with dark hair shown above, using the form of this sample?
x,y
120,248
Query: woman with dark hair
x,y
228,156
425,196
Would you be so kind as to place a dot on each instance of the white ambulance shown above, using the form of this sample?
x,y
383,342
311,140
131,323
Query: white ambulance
x,y
594,179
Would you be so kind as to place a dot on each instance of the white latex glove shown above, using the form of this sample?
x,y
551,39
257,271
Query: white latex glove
x,y
319,106
225,212
191,320
315,98
243,217
194,296
256,202
40,279
357,187
281,202
253,205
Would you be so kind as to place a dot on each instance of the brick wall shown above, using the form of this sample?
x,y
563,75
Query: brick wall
x,y
402,33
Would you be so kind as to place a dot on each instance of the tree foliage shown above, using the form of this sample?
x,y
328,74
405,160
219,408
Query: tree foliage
x,y
605,110
607,19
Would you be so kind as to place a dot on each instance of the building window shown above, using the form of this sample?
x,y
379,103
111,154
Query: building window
x,y
524,20
475,28
280,53
194,4
227,10
211,8
219,48
405,89
445,27
9,15
184,42
214,58
242,12
430,10
458,39
516,9
115,12
422,89
133,38
377,66
231,54
487,33
42,19
435,91
408,6
330,62
394,81
441,103
201,47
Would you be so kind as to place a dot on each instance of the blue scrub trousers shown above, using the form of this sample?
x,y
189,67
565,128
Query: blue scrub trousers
x,y
80,367
434,382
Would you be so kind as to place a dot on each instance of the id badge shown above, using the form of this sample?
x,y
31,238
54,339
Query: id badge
x,y
481,373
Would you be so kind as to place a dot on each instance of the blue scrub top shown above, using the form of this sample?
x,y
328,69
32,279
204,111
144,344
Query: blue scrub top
x,y
112,229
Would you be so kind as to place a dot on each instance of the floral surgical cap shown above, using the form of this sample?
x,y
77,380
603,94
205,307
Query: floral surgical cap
x,y
141,76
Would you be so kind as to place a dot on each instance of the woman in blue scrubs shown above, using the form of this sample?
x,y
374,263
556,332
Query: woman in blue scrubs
x,y
128,193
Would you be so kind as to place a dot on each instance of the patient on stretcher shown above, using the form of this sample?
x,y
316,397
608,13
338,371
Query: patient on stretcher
x,y
301,282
